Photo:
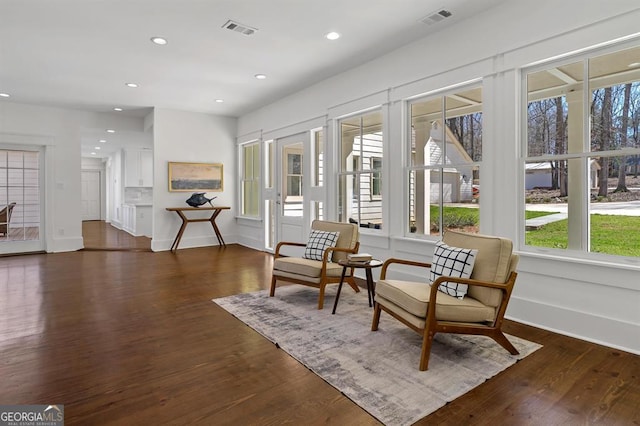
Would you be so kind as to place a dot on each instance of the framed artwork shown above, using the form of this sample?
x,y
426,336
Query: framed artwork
x,y
189,177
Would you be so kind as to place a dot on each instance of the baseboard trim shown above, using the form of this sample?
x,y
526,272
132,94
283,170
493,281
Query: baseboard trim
x,y
604,331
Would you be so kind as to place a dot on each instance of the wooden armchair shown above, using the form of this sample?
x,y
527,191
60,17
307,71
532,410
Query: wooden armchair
x,y
5,218
317,273
428,310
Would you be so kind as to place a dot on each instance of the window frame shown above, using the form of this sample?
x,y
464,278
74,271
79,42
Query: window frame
x,y
584,156
360,175
442,168
255,179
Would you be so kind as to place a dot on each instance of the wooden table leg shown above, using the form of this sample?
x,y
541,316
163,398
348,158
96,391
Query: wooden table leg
x,y
174,246
215,227
335,304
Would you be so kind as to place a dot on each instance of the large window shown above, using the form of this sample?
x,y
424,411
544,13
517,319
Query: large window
x,y
360,175
582,184
445,150
251,179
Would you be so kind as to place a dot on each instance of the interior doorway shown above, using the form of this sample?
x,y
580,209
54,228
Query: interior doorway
x,y
91,195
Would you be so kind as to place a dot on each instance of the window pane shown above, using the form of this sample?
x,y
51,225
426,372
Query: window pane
x,y
425,131
546,198
361,136
615,97
554,119
361,151
318,172
294,164
463,115
248,159
256,161
270,165
615,213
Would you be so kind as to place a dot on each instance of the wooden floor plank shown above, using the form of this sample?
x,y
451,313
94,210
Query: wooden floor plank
x,y
133,338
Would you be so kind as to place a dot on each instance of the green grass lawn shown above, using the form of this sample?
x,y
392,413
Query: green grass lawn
x,y
617,235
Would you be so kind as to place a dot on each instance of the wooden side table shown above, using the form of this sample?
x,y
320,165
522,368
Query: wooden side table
x,y
368,266
185,220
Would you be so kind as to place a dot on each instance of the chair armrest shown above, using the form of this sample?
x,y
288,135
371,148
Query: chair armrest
x,y
286,243
388,262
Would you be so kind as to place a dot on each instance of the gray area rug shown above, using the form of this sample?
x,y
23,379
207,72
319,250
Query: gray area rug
x,y
377,370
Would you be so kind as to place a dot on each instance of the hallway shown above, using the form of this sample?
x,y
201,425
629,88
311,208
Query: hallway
x,y
101,236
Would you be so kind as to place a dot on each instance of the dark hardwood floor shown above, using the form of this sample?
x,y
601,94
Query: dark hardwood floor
x,y
99,235
133,338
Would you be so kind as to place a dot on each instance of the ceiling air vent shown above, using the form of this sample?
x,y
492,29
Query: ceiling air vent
x,y
436,17
239,28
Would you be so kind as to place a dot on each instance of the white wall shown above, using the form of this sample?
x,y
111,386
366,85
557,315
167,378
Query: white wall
x,y
592,300
198,138
60,130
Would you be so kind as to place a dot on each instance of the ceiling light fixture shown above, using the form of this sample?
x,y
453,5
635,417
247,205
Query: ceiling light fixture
x,y
93,153
219,101
102,141
132,85
96,147
332,35
117,109
260,76
159,40
110,131
4,95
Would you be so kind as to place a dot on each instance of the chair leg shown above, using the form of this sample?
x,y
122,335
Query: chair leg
x,y
321,297
427,339
502,340
273,286
376,316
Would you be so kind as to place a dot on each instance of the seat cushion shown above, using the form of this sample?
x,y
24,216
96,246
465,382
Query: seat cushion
x,y
493,262
304,267
414,298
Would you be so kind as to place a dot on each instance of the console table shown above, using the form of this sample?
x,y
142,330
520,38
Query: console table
x,y
185,220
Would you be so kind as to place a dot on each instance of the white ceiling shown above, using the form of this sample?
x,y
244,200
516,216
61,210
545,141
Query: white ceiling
x,y
80,53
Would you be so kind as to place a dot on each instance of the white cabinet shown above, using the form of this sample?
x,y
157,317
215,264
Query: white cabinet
x,y
138,168
136,220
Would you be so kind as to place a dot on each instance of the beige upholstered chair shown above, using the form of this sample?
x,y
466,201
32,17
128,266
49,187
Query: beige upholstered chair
x,y
5,218
318,273
428,311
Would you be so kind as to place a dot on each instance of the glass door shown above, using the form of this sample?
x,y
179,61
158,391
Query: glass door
x,y
20,207
290,211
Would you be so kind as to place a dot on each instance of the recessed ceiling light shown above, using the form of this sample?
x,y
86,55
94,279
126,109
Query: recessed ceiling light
x,y
110,131
332,35
260,76
133,85
4,95
93,153
219,101
634,65
96,147
159,40
117,109
102,141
